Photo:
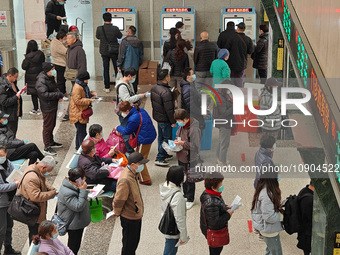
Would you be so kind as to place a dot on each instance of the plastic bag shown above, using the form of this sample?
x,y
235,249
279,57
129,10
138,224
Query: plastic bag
x,y
119,76
171,147
62,107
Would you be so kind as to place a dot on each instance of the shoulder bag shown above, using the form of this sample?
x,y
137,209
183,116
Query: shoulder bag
x,y
168,225
111,48
133,139
70,74
60,224
22,209
87,113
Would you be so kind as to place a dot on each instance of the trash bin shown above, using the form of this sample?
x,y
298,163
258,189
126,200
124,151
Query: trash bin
x,y
7,58
206,138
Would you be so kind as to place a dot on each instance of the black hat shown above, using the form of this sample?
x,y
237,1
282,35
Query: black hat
x,y
47,66
83,76
137,157
273,82
3,115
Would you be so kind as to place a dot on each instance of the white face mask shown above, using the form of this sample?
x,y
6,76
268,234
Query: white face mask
x,y
124,114
2,160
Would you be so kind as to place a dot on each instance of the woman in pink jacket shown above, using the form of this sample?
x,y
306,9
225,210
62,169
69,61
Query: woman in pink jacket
x,y
102,149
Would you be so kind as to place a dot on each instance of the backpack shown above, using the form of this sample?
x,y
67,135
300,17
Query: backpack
x,y
292,214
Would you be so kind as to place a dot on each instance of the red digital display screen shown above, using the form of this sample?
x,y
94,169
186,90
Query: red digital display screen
x,y
118,10
178,9
239,9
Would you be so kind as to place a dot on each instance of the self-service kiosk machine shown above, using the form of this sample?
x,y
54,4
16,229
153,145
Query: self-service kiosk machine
x,y
238,15
123,18
170,16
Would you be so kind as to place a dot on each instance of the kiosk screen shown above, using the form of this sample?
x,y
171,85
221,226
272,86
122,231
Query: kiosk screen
x,y
236,20
169,22
119,22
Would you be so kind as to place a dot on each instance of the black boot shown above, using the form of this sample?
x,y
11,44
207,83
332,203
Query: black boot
x,y
10,251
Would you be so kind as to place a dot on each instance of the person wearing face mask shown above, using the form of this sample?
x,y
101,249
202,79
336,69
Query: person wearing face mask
x,y
49,96
81,100
102,149
191,98
95,172
58,53
37,189
180,27
54,12
32,64
190,139
219,68
264,155
128,203
48,241
138,119
215,214
171,193
73,206
272,122
7,191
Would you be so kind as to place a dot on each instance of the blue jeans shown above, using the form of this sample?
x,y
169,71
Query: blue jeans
x,y
273,245
164,134
170,248
123,123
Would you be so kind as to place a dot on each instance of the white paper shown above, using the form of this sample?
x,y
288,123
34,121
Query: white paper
x,y
236,203
109,214
179,242
118,163
63,18
96,191
16,174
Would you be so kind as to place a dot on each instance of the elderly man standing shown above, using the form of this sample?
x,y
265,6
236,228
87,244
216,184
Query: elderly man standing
x,y
35,188
75,61
128,203
205,53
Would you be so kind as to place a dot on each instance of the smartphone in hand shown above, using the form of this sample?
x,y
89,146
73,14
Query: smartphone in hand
x,y
80,181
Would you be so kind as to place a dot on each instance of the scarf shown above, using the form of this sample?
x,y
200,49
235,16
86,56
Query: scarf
x,y
211,192
85,87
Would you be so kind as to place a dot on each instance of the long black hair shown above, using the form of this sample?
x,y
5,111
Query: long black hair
x,y
31,46
173,41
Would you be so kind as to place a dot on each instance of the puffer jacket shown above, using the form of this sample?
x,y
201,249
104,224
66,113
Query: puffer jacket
x,y
102,149
7,138
213,213
224,111
125,92
78,104
191,101
266,103
112,34
147,133
33,66
130,53
167,47
92,165
48,92
190,134
261,52
72,200
264,217
263,157
204,55
224,37
163,107
177,65
9,102
6,187
52,10
178,207
76,57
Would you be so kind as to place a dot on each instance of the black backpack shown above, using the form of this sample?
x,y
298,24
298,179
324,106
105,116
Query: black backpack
x,y
292,214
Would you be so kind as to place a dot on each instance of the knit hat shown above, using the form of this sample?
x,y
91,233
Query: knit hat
x,y
222,53
47,66
83,75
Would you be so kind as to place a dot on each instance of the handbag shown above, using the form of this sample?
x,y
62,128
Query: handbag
x,y
168,225
217,238
133,139
115,139
111,47
60,224
70,74
87,113
96,210
23,210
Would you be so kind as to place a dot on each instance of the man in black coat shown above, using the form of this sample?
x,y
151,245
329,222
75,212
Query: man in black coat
x,y
163,109
10,98
54,12
49,96
260,55
239,47
225,36
108,35
306,209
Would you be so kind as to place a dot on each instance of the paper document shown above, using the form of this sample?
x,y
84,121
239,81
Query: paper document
x,y
15,175
63,18
96,191
109,214
118,163
236,203
179,242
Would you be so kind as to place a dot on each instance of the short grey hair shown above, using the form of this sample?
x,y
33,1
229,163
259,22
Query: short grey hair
x,y
48,161
74,35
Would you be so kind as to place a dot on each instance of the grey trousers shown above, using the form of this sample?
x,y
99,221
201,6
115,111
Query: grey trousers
x,y
223,144
6,225
273,245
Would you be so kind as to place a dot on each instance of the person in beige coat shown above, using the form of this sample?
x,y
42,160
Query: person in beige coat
x,y
58,53
81,100
35,188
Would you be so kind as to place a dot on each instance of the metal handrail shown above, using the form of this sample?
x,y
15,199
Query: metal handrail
x,y
81,29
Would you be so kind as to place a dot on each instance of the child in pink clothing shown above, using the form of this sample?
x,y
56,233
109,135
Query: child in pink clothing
x,y
102,149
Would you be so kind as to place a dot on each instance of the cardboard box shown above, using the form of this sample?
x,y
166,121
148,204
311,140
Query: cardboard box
x,y
148,73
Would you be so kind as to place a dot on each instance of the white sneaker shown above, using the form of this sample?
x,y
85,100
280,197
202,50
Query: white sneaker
x,y
107,90
189,205
35,112
65,98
